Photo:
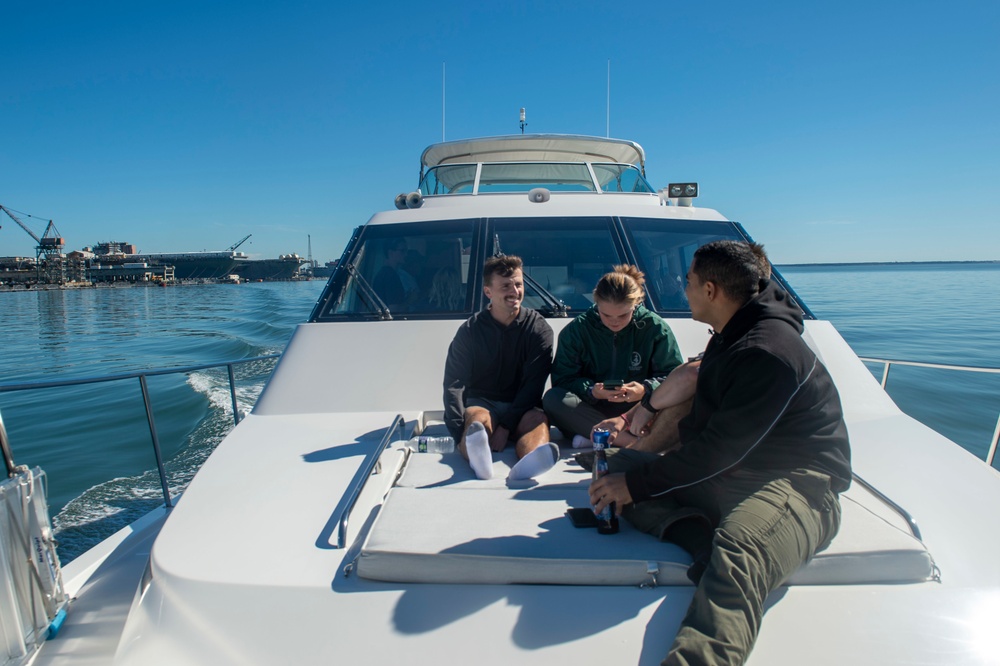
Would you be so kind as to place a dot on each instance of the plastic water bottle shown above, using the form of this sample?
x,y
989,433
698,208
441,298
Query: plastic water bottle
x,y
424,444
607,520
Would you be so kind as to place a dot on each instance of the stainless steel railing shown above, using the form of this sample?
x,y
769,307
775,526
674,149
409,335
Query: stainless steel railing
x,y
141,376
991,453
367,468
8,458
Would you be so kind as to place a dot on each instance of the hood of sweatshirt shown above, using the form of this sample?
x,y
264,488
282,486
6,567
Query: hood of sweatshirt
x,y
772,302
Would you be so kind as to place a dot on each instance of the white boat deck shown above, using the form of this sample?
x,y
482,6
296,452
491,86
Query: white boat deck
x,y
250,550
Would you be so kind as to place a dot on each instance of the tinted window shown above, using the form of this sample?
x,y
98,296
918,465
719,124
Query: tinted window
x,y
432,270
565,256
664,249
409,269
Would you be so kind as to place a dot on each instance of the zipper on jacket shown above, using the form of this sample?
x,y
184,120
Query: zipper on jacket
x,y
614,358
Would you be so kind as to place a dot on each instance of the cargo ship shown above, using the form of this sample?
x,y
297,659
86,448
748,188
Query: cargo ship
x,y
187,265
285,267
192,265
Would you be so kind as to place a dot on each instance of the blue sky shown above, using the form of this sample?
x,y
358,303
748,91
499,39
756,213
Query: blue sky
x,y
834,131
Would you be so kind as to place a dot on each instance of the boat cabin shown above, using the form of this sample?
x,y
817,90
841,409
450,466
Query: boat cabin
x,y
585,206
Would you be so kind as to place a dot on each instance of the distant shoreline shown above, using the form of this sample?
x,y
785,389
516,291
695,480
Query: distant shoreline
x,y
887,263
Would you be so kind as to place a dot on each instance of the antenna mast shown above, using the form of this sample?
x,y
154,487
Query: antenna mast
x,y
608,135
523,124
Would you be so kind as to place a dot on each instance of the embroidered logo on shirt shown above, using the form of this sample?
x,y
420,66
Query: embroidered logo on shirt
x,y
636,362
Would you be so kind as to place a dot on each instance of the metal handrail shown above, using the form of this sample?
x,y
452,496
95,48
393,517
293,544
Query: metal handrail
x,y
911,522
141,376
991,453
5,452
367,467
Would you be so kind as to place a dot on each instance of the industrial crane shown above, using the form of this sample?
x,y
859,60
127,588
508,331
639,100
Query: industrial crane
x,y
51,241
49,246
232,248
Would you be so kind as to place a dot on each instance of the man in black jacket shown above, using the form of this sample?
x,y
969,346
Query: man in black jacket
x,y
494,376
752,491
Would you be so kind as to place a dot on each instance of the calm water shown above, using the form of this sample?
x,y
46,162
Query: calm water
x,y
937,313
83,436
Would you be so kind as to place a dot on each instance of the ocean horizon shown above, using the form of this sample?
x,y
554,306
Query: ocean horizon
x,y
889,263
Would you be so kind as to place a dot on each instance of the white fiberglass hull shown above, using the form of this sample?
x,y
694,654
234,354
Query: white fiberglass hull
x,y
245,570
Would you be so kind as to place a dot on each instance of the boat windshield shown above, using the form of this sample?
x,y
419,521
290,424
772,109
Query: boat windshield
x,y
523,176
432,270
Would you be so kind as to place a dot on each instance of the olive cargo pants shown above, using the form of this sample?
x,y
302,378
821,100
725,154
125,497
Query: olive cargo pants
x,y
767,524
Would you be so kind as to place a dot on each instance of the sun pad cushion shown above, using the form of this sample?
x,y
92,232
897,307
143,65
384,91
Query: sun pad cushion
x,y
441,525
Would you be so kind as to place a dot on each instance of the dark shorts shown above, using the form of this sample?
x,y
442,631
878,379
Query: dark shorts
x,y
497,408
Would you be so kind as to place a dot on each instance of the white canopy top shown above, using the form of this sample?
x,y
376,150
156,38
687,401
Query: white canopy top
x,y
534,148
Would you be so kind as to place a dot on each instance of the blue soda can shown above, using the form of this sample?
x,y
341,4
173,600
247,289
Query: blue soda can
x,y
607,520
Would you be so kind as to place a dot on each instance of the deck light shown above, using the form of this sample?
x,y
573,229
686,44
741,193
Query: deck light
x,y
414,200
685,190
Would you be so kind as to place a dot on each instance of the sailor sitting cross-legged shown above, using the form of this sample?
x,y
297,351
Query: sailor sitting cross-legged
x,y
494,375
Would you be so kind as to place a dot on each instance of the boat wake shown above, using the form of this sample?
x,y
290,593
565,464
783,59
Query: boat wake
x,y
107,507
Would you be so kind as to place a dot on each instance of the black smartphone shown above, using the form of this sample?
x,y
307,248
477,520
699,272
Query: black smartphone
x,y
582,517
613,384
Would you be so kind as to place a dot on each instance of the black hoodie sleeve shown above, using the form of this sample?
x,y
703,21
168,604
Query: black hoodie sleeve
x,y
537,365
755,389
457,375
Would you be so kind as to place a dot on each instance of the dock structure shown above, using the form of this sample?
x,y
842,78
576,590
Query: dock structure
x,y
138,272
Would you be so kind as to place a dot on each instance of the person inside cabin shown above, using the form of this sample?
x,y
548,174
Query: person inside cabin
x,y
392,283
446,292
667,282
616,339
752,490
494,376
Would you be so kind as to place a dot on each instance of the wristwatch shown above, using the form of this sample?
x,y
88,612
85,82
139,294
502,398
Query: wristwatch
x,y
647,396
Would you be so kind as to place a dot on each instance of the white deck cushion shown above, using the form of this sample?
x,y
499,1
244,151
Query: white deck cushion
x,y
869,548
500,535
443,526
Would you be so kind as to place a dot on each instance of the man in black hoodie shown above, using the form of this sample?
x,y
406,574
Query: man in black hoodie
x,y
494,377
752,492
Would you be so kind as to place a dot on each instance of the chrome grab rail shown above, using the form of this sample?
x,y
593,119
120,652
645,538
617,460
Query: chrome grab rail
x,y
141,376
991,454
911,522
8,457
367,467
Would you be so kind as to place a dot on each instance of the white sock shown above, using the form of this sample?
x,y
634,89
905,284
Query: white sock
x,y
535,463
581,442
477,445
